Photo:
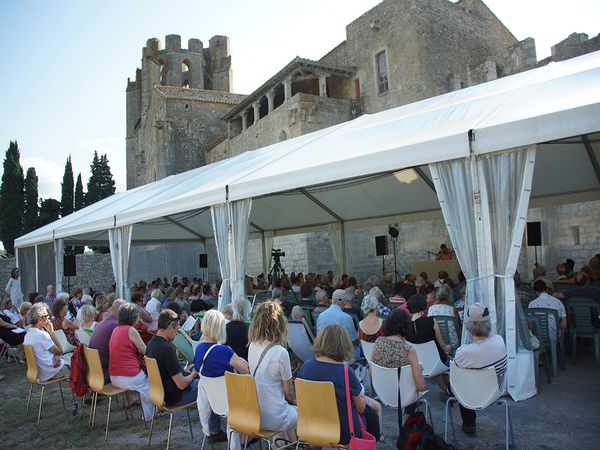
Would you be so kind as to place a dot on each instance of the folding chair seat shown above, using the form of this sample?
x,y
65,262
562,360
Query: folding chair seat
x,y
429,358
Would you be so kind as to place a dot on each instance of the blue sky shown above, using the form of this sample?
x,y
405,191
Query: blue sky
x,y
65,63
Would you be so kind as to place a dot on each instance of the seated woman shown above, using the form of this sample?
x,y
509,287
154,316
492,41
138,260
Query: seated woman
x,y
60,321
88,319
442,307
125,351
213,360
10,338
392,350
369,329
424,329
237,328
9,310
332,347
270,365
23,310
46,347
144,319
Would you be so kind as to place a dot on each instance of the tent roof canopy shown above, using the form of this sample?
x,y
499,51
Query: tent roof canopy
x,y
373,166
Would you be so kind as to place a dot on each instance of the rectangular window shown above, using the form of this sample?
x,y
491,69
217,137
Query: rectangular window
x,y
382,72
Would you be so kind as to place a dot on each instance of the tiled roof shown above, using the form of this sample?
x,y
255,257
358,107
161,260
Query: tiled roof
x,y
202,95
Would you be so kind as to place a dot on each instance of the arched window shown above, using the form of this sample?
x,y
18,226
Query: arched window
x,y
186,84
283,136
161,71
185,66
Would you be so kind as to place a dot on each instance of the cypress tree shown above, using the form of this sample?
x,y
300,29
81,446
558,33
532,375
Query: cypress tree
x,y
49,211
31,208
11,199
101,183
79,204
66,198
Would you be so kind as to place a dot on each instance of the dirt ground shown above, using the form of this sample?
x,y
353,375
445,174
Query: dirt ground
x,y
564,415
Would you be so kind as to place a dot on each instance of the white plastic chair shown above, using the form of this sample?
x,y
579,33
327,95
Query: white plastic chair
x,y
386,385
429,358
83,337
476,389
216,392
67,347
367,348
299,341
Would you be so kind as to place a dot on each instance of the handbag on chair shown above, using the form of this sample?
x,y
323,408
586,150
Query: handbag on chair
x,y
367,440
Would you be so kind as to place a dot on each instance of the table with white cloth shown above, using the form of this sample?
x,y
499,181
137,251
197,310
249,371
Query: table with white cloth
x,y
431,268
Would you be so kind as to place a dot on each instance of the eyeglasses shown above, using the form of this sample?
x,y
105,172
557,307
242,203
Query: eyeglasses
x,y
44,316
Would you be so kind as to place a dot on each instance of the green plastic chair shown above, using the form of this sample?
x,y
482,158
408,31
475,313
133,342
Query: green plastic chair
x,y
581,310
543,315
445,323
538,331
306,310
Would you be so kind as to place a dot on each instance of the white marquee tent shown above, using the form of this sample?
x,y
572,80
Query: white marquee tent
x,y
471,152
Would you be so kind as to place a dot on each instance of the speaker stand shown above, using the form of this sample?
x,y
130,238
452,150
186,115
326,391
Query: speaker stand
x,y
382,264
395,267
536,260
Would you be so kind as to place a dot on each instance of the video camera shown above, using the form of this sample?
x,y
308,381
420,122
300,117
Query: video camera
x,y
277,253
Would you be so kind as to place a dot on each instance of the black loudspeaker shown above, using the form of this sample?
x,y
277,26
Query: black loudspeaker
x,y
534,234
381,245
69,266
203,260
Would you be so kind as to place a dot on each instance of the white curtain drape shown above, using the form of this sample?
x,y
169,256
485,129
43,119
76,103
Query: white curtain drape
x,y
268,240
59,252
239,218
484,201
120,245
220,223
457,186
511,175
336,237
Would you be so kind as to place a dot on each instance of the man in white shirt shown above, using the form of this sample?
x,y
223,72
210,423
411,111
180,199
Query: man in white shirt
x,y
46,347
545,300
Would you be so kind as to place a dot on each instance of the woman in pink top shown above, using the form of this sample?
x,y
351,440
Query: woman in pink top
x,y
125,350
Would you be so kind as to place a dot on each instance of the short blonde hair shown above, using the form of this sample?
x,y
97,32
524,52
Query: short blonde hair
x,y
213,325
88,312
24,308
333,342
268,324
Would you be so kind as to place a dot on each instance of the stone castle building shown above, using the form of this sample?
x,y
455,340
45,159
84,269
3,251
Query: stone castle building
x,y
181,113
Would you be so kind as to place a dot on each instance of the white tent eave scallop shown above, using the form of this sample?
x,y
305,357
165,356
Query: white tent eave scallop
x,y
346,169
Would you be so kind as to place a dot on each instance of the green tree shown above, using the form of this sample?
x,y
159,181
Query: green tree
x,y
101,183
66,198
11,198
79,194
79,204
49,211
31,208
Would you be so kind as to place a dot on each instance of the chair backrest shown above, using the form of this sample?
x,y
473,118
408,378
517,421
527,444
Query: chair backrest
x,y
82,336
581,313
315,315
408,389
445,323
474,388
157,391
67,347
429,358
544,315
94,374
367,348
385,383
242,399
541,328
216,392
184,347
32,368
299,341
308,316
318,419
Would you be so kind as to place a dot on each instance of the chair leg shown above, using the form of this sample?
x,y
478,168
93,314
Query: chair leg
x,y
203,441
151,426
95,403
536,362
446,412
554,354
573,344
169,432
62,397
29,399
187,410
547,363
41,402
108,418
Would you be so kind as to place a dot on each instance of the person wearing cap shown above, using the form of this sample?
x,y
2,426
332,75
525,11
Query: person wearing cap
x,y
335,315
484,351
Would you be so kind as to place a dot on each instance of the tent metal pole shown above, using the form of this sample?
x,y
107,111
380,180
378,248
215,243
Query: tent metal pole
x,y
591,155
37,276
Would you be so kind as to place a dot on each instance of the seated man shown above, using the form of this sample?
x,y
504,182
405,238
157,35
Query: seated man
x,y
335,315
545,300
277,296
305,292
485,351
101,336
583,289
323,300
46,347
180,387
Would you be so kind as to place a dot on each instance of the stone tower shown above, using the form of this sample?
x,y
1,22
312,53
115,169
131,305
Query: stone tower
x,y
174,106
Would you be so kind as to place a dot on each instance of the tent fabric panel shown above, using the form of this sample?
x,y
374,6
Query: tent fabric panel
x,y
562,168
